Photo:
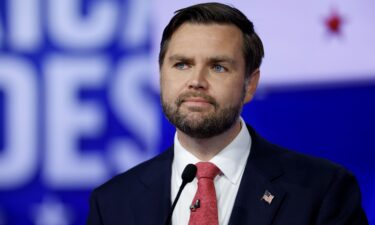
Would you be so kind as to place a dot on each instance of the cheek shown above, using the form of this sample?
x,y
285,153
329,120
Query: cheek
x,y
172,87
168,90
232,94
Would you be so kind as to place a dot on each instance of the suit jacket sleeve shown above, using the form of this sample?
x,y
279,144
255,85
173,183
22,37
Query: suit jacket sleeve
x,y
342,202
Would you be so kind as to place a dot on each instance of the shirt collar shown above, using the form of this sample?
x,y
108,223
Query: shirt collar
x,y
231,160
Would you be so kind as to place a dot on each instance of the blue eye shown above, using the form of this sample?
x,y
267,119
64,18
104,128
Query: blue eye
x,y
219,68
181,66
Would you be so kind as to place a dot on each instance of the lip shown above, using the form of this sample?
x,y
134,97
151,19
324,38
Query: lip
x,y
196,102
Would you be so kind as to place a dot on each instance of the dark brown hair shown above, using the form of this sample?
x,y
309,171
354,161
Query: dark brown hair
x,y
217,13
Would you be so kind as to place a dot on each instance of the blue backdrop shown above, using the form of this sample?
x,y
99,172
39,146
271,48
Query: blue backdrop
x,y
79,103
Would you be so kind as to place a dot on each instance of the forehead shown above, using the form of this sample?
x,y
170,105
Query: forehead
x,y
220,39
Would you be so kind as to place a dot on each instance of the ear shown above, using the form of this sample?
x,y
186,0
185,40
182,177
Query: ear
x,y
251,85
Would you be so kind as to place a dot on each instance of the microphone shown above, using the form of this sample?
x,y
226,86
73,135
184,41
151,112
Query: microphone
x,y
187,176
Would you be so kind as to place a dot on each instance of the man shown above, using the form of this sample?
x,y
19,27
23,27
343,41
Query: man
x,y
209,64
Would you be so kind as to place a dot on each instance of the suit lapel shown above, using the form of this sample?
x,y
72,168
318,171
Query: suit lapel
x,y
154,203
261,173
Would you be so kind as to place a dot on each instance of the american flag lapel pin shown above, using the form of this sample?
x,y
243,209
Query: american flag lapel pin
x,y
267,197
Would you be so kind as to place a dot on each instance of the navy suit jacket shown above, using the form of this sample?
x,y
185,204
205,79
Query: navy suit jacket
x,y
306,191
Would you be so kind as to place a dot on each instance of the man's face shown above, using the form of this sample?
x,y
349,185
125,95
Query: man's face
x,y
203,79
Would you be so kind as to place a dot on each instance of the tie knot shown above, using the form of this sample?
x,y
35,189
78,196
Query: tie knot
x,y
207,170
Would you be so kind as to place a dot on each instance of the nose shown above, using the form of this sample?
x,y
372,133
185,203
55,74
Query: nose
x,y
198,79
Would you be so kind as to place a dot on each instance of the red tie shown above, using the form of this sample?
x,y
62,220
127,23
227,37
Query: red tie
x,y
203,210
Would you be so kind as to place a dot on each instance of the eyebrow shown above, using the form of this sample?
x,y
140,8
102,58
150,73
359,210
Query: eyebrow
x,y
222,59
180,58
215,59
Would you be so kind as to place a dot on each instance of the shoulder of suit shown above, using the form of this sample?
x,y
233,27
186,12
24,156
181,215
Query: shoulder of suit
x,y
309,171
130,178
298,167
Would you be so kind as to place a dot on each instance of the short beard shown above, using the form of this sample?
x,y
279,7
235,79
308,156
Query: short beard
x,y
208,125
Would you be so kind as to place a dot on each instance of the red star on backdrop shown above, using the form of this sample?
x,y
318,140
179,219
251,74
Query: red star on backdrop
x,y
334,22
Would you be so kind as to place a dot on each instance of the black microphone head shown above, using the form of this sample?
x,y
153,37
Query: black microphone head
x,y
189,173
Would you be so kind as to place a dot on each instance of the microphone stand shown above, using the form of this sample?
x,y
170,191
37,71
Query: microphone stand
x,y
187,176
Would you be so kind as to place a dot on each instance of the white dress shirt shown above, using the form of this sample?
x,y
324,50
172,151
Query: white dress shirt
x,y
231,161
